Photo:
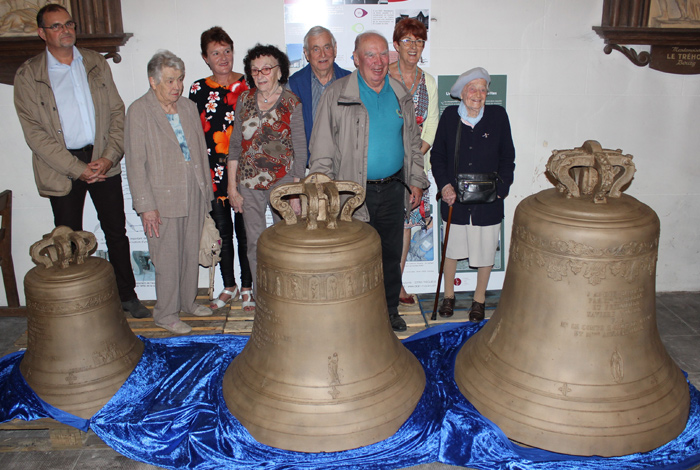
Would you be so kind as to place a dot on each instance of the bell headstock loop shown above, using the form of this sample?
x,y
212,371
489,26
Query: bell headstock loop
x,y
591,170
63,247
320,200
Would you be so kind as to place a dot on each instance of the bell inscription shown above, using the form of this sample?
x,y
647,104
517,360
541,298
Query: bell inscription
x,y
572,360
323,370
80,349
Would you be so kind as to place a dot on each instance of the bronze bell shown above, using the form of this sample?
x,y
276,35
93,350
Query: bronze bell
x,y
572,361
80,349
323,370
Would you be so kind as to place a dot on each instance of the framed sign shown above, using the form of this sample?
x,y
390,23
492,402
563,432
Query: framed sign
x,y
670,27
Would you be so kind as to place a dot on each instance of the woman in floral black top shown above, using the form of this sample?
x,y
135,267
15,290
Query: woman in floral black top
x,y
216,98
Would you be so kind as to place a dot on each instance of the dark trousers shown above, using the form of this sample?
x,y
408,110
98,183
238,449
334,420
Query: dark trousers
x,y
109,203
221,213
385,203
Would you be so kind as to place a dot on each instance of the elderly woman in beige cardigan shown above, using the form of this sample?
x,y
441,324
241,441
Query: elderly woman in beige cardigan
x,y
171,189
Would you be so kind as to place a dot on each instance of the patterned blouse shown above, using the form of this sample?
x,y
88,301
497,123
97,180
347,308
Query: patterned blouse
x,y
217,108
264,142
420,101
420,216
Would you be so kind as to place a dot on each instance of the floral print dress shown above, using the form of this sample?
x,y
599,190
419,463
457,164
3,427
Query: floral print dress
x,y
217,110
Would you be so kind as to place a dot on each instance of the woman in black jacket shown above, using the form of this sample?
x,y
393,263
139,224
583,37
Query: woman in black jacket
x,y
485,146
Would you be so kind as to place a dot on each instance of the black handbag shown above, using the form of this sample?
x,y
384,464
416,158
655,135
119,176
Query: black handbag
x,y
476,188
473,188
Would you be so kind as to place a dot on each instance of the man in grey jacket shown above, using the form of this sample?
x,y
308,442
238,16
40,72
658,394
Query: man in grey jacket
x,y
73,120
365,131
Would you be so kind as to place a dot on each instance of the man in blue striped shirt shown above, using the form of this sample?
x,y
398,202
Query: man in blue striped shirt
x,y
309,83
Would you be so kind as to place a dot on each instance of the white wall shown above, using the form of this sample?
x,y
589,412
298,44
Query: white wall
x,y
562,90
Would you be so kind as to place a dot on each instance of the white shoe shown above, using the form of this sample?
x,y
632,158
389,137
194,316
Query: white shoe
x,y
202,311
178,327
248,302
218,303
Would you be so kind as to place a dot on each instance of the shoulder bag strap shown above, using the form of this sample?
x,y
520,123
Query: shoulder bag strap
x,y
457,139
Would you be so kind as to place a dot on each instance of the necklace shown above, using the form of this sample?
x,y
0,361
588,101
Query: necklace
x,y
415,79
270,95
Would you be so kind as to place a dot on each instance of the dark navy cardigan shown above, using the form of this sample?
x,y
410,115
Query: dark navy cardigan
x,y
488,147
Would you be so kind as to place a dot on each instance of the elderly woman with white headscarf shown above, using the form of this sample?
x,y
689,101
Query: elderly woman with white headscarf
x,y
171,188
485,146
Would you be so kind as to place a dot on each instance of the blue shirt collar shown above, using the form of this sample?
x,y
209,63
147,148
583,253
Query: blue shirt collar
x,y
364,85
51,61
315,80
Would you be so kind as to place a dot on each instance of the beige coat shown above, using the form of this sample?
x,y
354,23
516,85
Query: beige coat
x,y
155,165
54,166
340,138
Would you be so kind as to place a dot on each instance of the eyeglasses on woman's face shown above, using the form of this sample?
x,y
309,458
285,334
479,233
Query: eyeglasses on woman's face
x,y
265,71
410,42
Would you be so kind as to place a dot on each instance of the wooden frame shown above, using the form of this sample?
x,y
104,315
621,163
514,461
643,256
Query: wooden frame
x,y
100,29
674,48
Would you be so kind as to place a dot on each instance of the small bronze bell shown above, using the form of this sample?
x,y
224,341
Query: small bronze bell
x,y
80,348
323,370
572,360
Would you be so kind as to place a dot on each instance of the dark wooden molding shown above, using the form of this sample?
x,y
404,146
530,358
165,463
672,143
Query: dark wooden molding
x,y
99,28
639,59
649,36
625,23
14,51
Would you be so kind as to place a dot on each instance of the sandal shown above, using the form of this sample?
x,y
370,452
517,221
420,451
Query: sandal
x,y
247,300
408,301
218,303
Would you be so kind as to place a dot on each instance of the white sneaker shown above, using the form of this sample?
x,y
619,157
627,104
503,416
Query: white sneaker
x,y
202,311
178,327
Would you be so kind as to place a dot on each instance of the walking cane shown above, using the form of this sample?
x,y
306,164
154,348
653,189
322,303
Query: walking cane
x,y
433,317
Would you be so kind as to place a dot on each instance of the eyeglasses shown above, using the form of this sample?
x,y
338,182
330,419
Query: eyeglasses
x,y
59,26
265,71
410,42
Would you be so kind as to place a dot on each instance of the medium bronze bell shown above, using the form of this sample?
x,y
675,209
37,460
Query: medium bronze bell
x,y
572,361
80,349
323,370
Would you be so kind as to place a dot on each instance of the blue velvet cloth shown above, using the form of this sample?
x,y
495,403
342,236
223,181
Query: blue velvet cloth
x,y
171,413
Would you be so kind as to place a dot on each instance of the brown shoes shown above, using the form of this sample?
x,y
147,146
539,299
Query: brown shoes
x,y
447,307
476,313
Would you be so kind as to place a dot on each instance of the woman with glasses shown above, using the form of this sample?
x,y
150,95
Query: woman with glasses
x,y
268,143
409,40
216,98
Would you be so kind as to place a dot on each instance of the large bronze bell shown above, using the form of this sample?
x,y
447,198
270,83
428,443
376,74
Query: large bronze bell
x,y
323,370
80,349
572,361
